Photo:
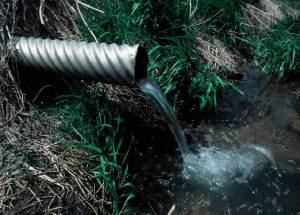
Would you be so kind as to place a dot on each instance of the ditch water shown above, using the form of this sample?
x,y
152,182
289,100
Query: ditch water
x,y
245,159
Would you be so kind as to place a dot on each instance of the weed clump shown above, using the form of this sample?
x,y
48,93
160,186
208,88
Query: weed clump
x,y
271,30
97,127
170,30
277,51
195,45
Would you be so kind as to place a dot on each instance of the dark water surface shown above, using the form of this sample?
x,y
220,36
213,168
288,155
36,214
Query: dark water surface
x,y
247,157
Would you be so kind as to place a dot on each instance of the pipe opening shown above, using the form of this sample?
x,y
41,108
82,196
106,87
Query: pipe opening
x,y
141,63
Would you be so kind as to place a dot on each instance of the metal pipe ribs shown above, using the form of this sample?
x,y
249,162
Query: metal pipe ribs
x,y
120,64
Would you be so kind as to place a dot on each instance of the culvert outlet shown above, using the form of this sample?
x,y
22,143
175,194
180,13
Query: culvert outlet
x,y
112,63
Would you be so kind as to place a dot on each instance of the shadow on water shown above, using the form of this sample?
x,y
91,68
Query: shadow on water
x,y
254,150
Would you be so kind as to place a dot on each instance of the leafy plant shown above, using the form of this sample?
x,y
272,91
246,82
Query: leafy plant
x,y
169,29
277,51
96,126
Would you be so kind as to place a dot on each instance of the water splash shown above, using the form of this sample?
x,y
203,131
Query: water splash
x,y
214,166
217,167
152,90
225,179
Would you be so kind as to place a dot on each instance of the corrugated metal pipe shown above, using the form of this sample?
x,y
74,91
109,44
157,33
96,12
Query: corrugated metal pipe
x,y
121,64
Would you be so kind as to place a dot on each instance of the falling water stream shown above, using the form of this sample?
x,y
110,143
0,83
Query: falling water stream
x,y
246,160
152,90
213,166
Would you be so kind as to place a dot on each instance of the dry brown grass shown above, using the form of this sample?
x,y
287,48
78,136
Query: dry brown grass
x,y
38,173
279,9
218,55
257,18
266,13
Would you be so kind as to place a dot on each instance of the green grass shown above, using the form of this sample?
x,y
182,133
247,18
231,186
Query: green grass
x,y
277,51
96,126
169,30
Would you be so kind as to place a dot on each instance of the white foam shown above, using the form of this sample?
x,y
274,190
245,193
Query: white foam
x,y
216,167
